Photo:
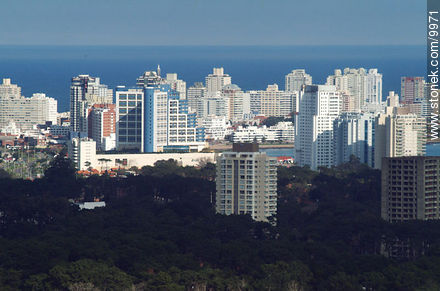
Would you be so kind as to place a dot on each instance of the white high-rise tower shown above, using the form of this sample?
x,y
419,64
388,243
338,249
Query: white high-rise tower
x,y
319,106
216,81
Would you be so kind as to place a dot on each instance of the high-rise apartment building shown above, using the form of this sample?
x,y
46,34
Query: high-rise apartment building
x,y
238,102
45,107
246,183
412,89
364,86
182,131
176,84
398,133
420,107
353,134
216,105
25,112
272,101
216,81
84,92
410,188
102,125
373,88
195,96
129,118
347,103
319,106
296,79
153,118
8,90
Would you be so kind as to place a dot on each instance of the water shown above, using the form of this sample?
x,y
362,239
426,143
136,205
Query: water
x,y
433,150
48,69
278,152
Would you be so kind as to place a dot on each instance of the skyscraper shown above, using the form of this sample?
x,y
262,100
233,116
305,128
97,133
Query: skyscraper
x,y
155,117
319,106
84,92
216,81
412,89
246,183
129,118
296,79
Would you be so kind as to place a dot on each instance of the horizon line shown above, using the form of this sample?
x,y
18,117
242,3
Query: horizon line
x,y
211,45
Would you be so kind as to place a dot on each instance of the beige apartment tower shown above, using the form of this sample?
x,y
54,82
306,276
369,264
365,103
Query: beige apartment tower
x,y
410,188
246,183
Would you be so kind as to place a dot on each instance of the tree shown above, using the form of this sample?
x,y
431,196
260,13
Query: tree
x,y
4,174
272,120
88,272
284,276
60,176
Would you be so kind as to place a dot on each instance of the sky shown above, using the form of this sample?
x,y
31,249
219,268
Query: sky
x,y
213,22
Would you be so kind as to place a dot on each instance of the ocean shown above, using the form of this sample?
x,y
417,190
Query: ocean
x,y
49,69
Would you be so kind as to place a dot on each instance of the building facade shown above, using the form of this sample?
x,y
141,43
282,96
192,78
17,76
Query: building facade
x,y
354,135
364,86
216,105
216,127
154,118
216,81
319,106
398,133
410,188
176,84
195,96
25,112
238,102
84,92
296,79
246,183
82,152
102,125
412,89
129,118
272,101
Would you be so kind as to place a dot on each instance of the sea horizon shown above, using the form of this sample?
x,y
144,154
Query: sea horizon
x,y
49,68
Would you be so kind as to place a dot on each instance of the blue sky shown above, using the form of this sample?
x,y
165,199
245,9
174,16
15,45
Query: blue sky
x,y
212,22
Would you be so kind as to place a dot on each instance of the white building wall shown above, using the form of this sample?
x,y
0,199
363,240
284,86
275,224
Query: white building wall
x,y
319,106
296,79
216,81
